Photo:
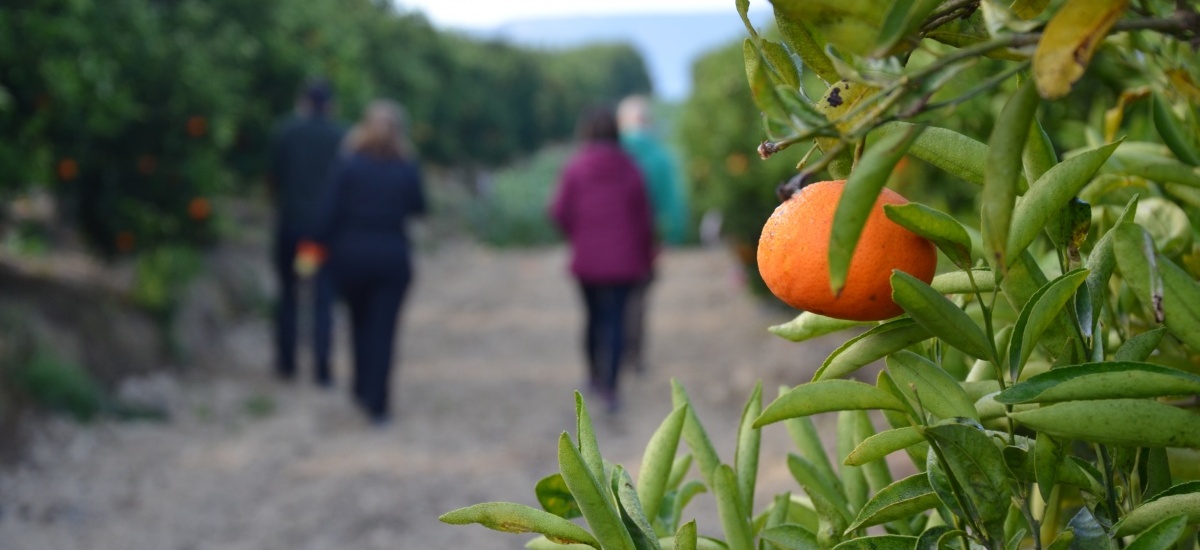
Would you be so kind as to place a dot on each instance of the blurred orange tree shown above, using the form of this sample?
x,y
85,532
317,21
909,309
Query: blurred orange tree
x,y
136,112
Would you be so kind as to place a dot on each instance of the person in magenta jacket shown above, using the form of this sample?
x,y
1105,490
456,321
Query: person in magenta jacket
x,y
602,207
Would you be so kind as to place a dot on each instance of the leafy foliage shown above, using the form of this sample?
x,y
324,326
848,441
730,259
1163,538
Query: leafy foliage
x,y
137,112
1045,387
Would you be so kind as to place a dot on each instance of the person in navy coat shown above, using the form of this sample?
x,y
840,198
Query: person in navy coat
x,y
373,191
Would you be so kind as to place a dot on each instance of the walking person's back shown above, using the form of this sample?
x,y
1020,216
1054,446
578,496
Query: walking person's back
x,y
373,192
602,208
304,149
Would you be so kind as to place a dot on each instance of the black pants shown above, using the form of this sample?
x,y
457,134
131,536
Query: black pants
x,y
604,334
373,282
635,325
287,310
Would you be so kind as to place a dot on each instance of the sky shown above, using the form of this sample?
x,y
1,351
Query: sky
x,y
486,14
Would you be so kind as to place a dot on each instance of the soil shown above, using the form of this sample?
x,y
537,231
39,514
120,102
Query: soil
x,y
489,360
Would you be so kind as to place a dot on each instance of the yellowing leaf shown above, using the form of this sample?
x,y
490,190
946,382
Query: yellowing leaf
x,y
1069,41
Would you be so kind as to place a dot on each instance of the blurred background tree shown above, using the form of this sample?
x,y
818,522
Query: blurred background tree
x,y
136,113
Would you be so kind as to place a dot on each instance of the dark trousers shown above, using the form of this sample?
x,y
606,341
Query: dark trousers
x,y
604,334
287,310
635,325
374,297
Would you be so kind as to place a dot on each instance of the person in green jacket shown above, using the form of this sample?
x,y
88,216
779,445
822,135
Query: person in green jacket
x,y
667,200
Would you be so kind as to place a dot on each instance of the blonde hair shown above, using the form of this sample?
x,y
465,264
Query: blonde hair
x,y
382,131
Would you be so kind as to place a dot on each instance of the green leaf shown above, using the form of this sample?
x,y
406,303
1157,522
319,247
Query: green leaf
x,y
1134,422
1161,535
1167,223
632,514
733,518
1181,310
685,537
884,443
1105,380
543,543
679,468
1088,533
799,37
979,470
594,502
761,87
658,460
1103,261
1050,194
924,382
854,481
808,441
809,325
589,448
553,495
1138,262
957,154
903,17
1047,460
1028,9
858,198
695,435
833,513
1039,313
1063,541
877,473
745,458
1068,42
851,25
1005,147
791,537
879,542
1173,131
939,315
1180,499
518,518
959,282
932,537
871,346
781,61
1160,169
1038,156
1069,229
945,231
825,396
902,499
684,496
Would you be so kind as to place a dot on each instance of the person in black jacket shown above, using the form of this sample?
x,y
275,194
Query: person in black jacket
x,y
374,189
302,153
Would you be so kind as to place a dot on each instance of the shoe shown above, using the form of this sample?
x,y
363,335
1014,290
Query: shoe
x,y
380,420
324,382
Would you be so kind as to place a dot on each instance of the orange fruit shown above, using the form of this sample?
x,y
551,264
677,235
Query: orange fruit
x,y
67,169
793,256
125,241
147,164
199,209
196,126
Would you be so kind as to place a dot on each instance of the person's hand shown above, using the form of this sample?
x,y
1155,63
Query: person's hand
x,y
309,257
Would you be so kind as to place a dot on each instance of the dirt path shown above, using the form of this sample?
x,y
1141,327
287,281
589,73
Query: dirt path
x,y
488,367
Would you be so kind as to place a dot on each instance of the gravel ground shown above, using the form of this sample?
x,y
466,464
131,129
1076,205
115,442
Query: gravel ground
x,y
489,360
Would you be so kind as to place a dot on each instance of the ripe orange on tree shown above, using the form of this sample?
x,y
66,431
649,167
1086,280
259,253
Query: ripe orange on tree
x,y
196,126
793,256
67,169
198,209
